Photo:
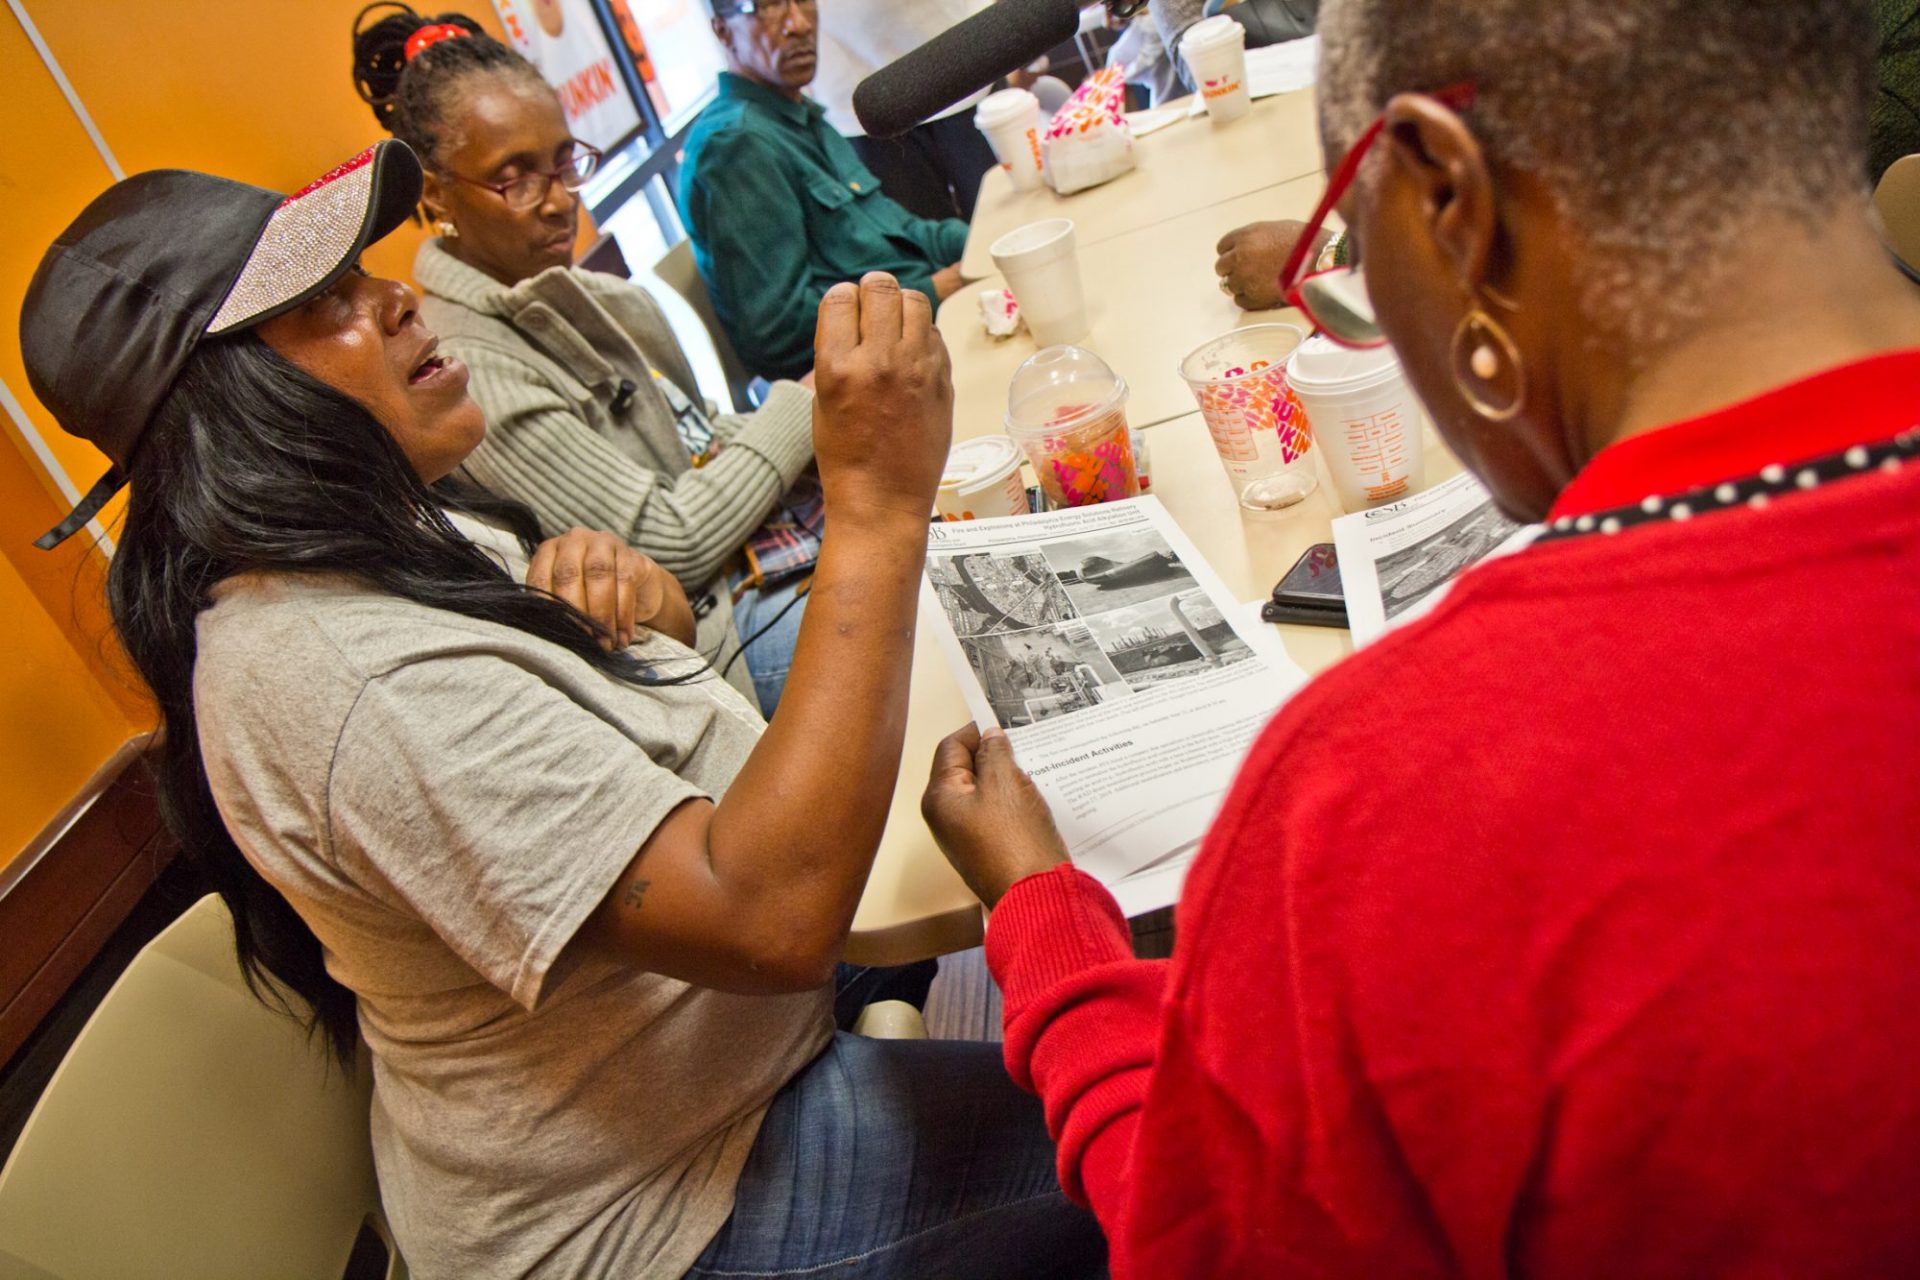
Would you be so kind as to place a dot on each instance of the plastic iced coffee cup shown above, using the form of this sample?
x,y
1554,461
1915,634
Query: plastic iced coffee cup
x,y
1068,411
1216,54
1010,119
1258,427
1043,270
1365,419
982,480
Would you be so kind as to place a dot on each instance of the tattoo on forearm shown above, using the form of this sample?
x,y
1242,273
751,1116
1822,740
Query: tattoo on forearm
x,y
636,891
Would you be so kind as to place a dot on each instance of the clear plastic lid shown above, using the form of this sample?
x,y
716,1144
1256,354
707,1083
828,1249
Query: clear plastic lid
x,y
1060,387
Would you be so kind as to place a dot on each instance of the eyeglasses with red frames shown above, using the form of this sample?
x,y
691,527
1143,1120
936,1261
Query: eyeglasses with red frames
x,y
1336,300
530,188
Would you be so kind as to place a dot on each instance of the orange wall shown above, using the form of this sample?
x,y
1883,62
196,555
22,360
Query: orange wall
x,y
258,90
61,724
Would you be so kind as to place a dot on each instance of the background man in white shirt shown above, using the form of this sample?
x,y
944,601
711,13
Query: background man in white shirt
x,y
934,170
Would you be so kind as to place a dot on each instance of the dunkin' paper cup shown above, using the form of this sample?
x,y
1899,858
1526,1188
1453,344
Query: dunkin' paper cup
x,y
1216,54
1068,411
1011,121
1365,419
982,480
1043,270
1258,427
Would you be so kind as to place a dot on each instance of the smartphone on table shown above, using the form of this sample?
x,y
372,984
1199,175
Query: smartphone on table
x,y
1310,592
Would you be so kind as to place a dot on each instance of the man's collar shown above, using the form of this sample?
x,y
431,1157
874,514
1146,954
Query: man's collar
x,y
742,89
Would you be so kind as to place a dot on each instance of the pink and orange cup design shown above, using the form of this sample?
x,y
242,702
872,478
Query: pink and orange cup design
x,y
1258,425
1087,463
1240,411
1068,410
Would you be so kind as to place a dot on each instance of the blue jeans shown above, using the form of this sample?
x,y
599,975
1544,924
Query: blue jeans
x,y
769,657
915,1159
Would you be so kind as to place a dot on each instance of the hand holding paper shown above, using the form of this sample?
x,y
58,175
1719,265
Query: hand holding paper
x,y
1113,659
986,814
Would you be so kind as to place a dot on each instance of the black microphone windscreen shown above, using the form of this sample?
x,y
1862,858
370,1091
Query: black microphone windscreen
x,y
961,60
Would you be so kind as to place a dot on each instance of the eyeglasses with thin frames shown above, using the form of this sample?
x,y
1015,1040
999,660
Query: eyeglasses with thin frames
x,y
774,12
1336,300
531,188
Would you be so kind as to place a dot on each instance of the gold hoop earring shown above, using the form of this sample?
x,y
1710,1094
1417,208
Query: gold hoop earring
x,y
1485,355
446,230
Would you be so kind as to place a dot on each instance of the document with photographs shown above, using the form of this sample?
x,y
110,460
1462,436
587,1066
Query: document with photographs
x,y
1395,559
1126,676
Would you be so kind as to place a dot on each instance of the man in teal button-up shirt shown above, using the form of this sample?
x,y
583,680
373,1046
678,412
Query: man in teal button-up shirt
x,y
779,207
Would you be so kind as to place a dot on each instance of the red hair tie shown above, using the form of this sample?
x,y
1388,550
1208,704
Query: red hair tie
x,y
428,36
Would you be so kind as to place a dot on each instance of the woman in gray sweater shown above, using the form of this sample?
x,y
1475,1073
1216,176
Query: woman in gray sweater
x,y
594,417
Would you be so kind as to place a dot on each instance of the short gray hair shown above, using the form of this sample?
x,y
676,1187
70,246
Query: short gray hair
x,y
1663,127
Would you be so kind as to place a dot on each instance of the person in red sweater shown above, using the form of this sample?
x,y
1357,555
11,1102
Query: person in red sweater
x,y
1573,930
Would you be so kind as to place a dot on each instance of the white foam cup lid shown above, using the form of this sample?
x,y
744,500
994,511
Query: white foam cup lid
x,y
1009,104
974,464
1322,365
1208,33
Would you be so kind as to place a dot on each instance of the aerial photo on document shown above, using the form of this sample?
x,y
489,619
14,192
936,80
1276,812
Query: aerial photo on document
x,y
1410,574
1070,625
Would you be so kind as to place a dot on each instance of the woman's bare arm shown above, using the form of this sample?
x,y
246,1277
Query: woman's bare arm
x,y
756,893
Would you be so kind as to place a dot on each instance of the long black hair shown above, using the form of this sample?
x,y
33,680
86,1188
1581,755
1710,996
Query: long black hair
x,y
252,464
411,99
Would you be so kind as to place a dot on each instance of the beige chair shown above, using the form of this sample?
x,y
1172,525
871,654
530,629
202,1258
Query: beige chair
x,y
192,1131
1898,202
679,272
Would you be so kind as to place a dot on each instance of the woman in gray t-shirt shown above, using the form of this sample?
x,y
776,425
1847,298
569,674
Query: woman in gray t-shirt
x,y
582,904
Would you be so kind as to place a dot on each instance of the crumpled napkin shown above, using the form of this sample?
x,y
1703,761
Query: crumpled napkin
x,y
999,312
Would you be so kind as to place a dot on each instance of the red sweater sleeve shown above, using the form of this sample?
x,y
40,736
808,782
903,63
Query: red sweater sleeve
x,y
1081,1018
1209,1110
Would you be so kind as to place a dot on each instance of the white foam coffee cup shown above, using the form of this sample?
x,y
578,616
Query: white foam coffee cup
x,y
1366,420
1216,54
1043,270
982,480
1010,119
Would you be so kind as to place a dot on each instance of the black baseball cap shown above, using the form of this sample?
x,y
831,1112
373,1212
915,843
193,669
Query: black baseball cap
x,y
165,259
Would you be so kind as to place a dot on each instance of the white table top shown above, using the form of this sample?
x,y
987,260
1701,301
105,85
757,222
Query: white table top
x,y
1190,165
915,906
1146,243
1152,298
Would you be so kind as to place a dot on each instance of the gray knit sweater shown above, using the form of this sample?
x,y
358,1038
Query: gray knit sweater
x,y
548,358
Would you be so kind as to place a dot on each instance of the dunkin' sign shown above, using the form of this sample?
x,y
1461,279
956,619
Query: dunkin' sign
x,y
564,40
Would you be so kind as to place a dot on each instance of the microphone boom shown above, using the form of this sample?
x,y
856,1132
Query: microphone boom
x,y
966,57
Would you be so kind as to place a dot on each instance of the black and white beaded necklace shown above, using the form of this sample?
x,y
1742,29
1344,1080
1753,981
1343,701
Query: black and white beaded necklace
x,y
1757,491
